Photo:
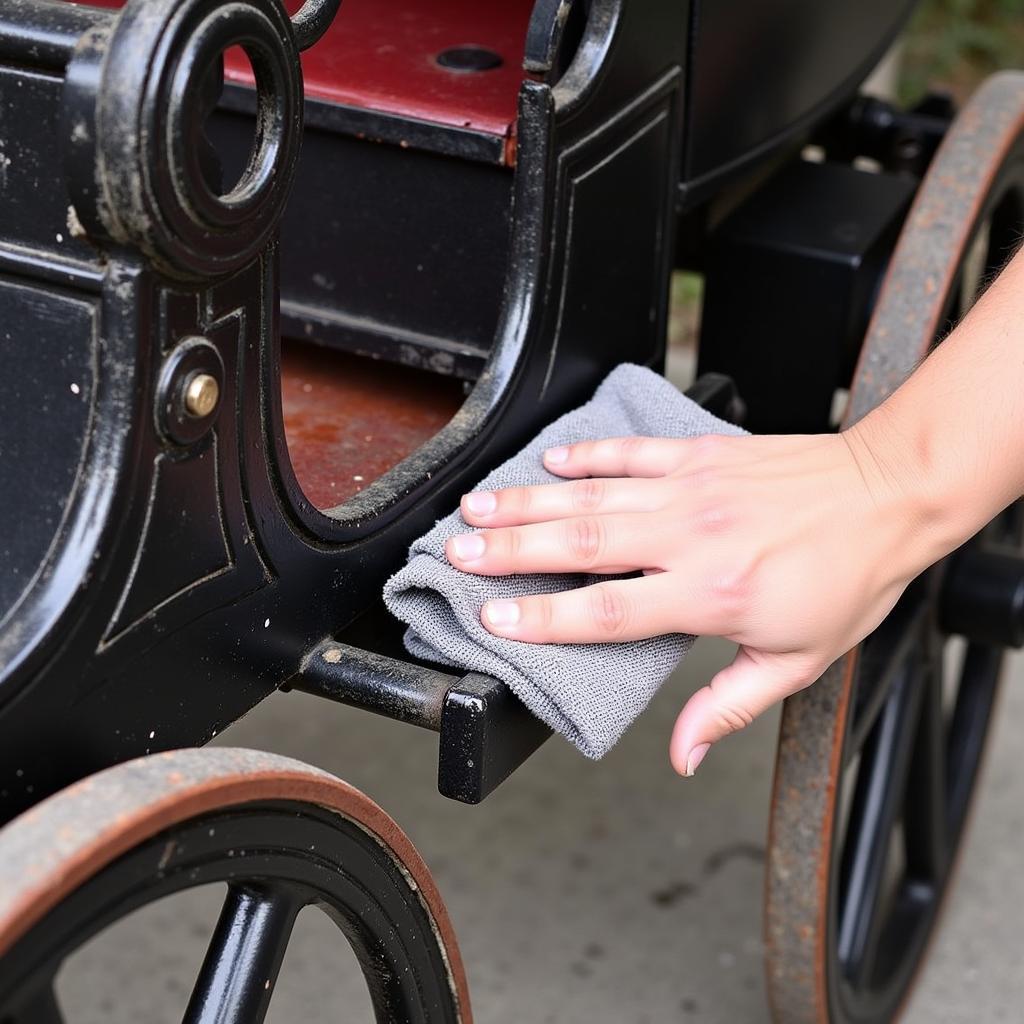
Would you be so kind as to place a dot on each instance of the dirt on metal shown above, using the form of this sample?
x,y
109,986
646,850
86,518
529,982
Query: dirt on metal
x,y
348,419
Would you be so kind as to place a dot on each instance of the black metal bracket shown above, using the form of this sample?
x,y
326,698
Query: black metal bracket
x,y
485,732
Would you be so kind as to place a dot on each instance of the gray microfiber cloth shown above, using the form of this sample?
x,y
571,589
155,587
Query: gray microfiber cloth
x,y
589,693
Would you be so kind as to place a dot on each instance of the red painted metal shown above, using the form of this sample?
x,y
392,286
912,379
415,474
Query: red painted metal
x,y
348,419
380,55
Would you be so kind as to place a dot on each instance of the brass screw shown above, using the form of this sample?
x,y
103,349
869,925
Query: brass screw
x,y
202,395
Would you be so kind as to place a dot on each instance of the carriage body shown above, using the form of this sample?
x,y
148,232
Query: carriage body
x,y
510,241
229,408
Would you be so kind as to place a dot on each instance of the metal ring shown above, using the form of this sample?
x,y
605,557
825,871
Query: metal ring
x,y
235,24
148,115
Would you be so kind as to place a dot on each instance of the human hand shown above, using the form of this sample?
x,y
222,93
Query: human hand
x,y
793,547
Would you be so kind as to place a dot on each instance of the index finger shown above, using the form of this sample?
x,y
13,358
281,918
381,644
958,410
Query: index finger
x,y
517,506
618,456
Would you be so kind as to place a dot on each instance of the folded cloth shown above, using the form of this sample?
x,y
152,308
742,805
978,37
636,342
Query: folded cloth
x,y
589,693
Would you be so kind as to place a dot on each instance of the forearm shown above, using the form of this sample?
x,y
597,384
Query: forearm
x,y
950,441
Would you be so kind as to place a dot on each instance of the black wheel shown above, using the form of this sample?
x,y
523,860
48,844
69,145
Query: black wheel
x,y
281,835
878,761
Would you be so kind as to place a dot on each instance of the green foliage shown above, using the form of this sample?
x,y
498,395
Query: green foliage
x,y
959,42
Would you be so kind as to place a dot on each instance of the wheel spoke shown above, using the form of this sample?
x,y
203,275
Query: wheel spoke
x,y
877,802
969,726
882,661
925,819
244,957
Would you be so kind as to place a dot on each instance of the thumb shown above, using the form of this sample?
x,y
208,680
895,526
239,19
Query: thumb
x,y
741,691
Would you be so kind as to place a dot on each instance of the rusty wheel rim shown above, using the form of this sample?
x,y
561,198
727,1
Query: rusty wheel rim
x,y
847,924
121,839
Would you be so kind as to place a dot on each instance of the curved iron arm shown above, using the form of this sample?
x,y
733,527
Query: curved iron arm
x,y
544,34
312,20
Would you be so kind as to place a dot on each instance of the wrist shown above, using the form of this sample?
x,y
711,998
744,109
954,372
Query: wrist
x,y
911,487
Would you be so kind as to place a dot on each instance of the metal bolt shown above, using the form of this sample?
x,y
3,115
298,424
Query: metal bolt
x,y
202,395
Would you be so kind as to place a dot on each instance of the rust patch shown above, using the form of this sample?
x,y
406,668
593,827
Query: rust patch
x,y
349,419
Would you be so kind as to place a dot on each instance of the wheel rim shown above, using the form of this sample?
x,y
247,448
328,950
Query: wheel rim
x,y
878,761
910,761
302,839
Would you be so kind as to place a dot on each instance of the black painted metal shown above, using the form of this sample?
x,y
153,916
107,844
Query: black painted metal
x,y
312,20
190,358
246,951
900,140
791,279
180,578
486,733
553,36
983,597
392,687
763,75
43,33
719,395
133,131
276,859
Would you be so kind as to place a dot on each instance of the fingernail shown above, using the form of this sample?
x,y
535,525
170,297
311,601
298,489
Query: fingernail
x,y
468,546
695,758
556,456
481,503
502,613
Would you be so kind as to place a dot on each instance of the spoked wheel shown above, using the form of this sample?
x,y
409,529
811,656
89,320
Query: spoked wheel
x,y
282,835
877,761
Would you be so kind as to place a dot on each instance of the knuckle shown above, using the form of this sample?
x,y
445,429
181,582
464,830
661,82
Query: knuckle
x,y
544,613
733,588
703,478
712,519
609,611
519,500
585,540
632,448
732,717
511,544
707,448
584,451
587,494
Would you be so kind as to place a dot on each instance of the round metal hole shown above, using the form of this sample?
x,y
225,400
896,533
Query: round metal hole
x,y
469,58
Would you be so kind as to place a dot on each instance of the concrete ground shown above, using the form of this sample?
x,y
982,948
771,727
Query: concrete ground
x,y
582,893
